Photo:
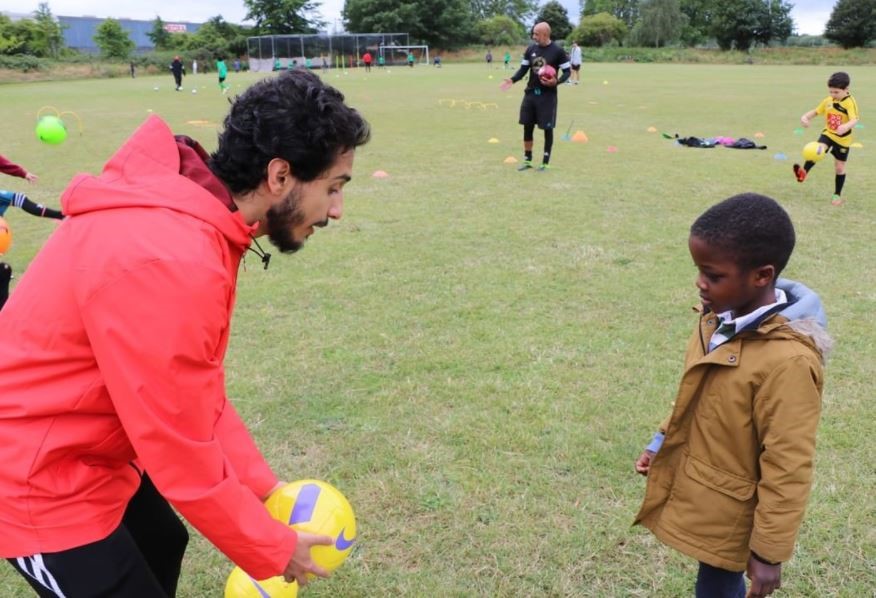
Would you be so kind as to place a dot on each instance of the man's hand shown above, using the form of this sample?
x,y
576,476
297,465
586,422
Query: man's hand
x,y
765,579
643,463
302,564
31,177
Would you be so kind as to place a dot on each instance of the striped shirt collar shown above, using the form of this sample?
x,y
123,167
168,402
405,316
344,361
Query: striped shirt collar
x,y
730,327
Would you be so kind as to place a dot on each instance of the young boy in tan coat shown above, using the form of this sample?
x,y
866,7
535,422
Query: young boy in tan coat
x,y
730,470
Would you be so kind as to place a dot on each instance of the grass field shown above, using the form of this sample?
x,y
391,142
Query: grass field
x,y
476,356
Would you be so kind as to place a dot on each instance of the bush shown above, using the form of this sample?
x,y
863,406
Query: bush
x,y
599,30
24,63
807,41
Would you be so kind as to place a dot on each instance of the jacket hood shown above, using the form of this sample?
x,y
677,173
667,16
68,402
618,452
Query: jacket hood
x,y
152,169
805,314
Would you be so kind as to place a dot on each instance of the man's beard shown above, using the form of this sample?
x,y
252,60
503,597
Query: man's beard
x,y
281,220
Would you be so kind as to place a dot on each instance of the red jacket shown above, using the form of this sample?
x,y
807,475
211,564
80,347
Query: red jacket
x,y
7,167
112,351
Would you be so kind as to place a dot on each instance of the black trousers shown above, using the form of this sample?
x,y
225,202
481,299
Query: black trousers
x,y
140,559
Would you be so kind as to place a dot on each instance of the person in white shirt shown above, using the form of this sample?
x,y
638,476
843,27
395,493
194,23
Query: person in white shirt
x,y
575,60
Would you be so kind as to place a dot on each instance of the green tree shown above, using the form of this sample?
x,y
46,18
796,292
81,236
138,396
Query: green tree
x,y
440,23
500,30
554,14
599,29
49,35
517,10
776,23
284,16
113,40
852,23
660,23
699,20
625,10
735,23
219,37
159,35
11,41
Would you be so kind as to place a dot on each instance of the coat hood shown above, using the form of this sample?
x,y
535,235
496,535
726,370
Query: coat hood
x,y
805,314
153,170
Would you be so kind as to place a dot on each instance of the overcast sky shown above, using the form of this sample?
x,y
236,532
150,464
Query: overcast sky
x,y
810,16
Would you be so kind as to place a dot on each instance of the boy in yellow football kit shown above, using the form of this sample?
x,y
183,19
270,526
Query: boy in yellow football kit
x,y
840,111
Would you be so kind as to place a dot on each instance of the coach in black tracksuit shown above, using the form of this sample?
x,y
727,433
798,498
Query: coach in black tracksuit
x,y
539,106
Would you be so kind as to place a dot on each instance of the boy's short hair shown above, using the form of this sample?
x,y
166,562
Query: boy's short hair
x,y
839,80
753,228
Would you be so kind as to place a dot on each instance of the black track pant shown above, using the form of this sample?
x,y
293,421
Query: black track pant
x,y
140,559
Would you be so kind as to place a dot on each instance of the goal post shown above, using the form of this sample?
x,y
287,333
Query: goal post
x,y
394,54
268,53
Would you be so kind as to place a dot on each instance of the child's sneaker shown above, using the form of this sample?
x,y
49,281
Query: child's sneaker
x,y
836,200
800,173
525,166
544,168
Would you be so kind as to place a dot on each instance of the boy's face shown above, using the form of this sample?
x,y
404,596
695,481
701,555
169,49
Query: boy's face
x,y
837,93
724,286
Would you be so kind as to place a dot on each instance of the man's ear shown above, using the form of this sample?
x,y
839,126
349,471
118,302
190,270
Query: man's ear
x,y
279,175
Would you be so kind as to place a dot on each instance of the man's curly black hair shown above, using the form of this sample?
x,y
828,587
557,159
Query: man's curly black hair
x,y
753,228
294,116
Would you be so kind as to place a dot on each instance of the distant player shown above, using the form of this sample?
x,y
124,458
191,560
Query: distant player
x,y
20,200
222,70
178,69
840,110
575,60
539,106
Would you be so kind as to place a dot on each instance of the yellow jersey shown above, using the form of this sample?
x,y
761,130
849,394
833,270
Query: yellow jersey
x,y
837,113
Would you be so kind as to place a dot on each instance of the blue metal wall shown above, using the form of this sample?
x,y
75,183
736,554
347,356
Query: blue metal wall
x,y
79,32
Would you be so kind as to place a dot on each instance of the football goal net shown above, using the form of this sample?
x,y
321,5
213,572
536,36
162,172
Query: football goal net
x,y
398,55
322,50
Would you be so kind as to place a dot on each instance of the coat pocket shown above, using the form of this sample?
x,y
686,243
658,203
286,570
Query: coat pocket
x,y
711,510
726,483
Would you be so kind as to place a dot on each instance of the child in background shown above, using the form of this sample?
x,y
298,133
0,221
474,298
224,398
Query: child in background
x,y
20,200
222,70
841,113
729,472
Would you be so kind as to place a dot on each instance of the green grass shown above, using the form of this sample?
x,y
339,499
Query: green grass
x,y
476,356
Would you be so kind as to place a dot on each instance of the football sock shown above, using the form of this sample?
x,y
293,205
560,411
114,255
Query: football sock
x,y
839,181
527,155
548,145
36,209
807,166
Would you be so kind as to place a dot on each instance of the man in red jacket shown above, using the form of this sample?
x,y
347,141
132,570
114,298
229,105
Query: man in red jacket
x,y
114,410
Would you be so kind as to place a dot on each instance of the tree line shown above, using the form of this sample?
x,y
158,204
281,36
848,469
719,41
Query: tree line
x,y
449,24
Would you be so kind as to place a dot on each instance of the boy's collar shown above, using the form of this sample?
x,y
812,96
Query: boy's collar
x,y
746,320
